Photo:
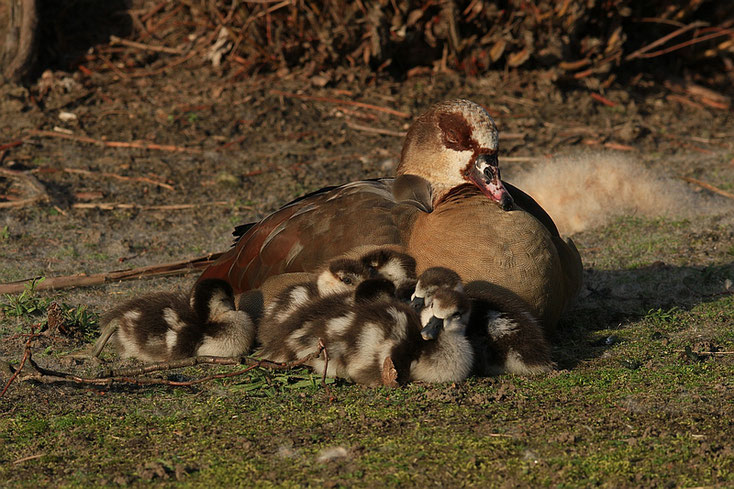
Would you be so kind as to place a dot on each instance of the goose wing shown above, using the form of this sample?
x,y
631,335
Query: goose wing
x,y
308,232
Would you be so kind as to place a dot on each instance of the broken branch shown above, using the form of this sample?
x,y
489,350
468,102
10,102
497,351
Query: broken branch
x,y
116,144
329,100
147,47
376,130
89,173
708,186
26,356
83,280
108,206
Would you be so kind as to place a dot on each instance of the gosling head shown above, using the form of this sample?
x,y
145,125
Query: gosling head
x,y
430,281
393,265
449,312
374,290
341,275
211,298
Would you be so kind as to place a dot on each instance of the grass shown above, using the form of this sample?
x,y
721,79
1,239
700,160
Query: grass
x,y
31,308
640,400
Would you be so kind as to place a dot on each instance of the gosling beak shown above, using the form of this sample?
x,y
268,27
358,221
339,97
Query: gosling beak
x,y
418,303
485,175
431,330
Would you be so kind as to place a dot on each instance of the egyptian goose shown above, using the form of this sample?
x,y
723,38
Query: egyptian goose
x,y
447,184
362,336
169,326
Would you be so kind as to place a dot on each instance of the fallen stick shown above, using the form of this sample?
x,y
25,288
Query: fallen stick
x,y
708,186
114,68
46,376
83,280
142,73
619,147
26,357
146,47
26,459
600,98
3,147
665,39
116,144
191,362
108,206
376,130
682,45
337,101
706,352
79,171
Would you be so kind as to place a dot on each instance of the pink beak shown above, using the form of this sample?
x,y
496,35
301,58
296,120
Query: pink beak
x,y
485,175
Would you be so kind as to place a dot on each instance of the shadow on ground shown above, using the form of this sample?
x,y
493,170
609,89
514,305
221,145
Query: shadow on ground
x,y
612,299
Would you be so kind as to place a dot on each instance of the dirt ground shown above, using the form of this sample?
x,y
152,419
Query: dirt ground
x,y
627,407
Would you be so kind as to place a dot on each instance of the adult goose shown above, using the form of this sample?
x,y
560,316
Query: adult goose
x,y
446,207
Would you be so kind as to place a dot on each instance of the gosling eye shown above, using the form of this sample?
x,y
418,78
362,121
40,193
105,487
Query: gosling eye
x,y
347,280
456,316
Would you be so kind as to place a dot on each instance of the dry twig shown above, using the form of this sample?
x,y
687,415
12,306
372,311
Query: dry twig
x,y
79,171
337,101
26,357
708,186
108,206
147,47
116,144
174,268
128,376
13,144
376,130
664,39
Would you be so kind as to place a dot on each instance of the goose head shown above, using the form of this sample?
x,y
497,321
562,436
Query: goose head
x,y
341,275
449,312
211,298
431,281
455,143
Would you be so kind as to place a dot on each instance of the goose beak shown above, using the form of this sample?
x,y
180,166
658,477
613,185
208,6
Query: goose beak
x,y
485,174
418,303
431,330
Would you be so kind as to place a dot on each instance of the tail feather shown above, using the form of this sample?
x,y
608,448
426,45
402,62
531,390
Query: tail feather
x,y
589,190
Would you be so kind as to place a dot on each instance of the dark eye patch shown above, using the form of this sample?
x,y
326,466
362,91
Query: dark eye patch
x,y
456,132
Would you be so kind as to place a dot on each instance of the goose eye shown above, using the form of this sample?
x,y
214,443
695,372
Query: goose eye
x,y
347,280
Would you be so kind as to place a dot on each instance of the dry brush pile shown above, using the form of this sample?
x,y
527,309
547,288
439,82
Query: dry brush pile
x,y
591,42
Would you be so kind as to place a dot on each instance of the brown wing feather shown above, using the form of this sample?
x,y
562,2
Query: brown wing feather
x,y
306,233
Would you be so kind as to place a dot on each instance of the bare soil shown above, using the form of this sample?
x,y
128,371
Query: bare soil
x,y
239,150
